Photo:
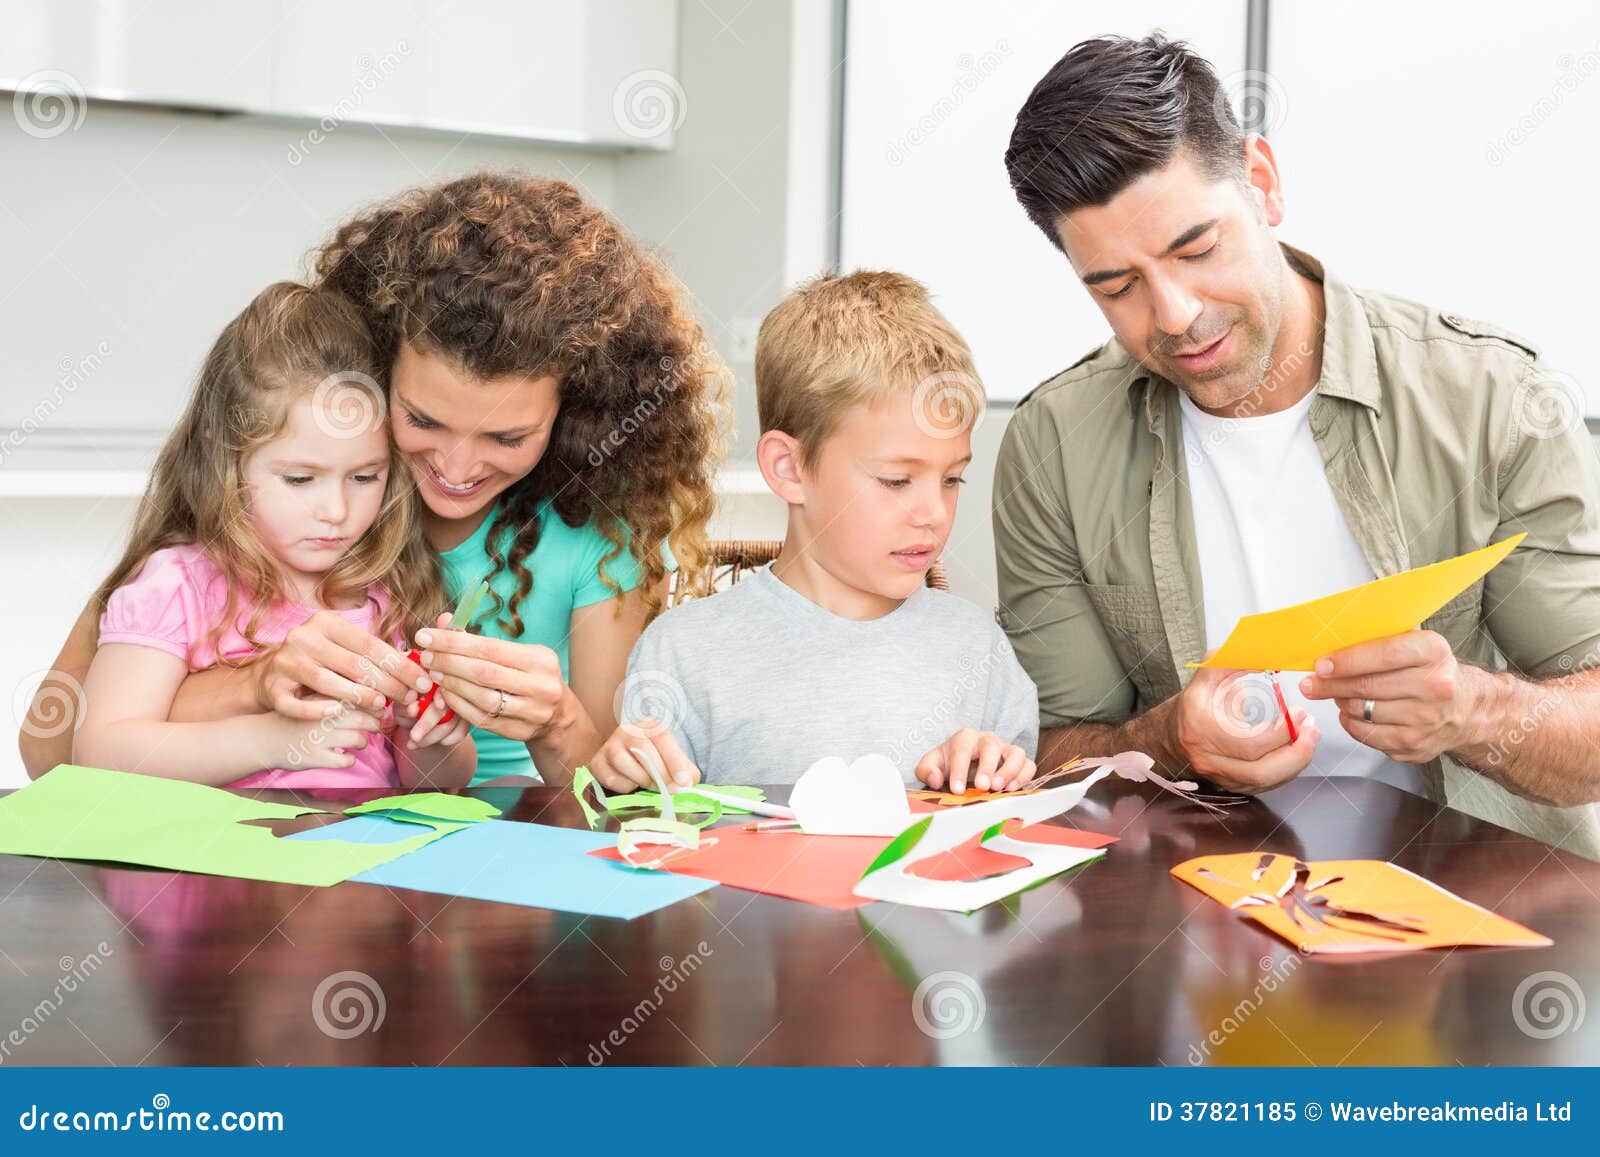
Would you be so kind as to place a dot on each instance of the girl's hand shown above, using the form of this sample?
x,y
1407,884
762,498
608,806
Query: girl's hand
x,y
327,662
414,732
511,689
1001,766
295,745
618,769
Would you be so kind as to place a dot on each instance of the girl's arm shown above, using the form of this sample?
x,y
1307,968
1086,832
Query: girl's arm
x,y
46,737
323,662
129,692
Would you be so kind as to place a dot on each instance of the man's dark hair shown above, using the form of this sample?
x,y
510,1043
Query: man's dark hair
x,y
1111,110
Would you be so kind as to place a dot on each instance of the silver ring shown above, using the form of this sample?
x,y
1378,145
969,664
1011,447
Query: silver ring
x,y
501,706
1366,709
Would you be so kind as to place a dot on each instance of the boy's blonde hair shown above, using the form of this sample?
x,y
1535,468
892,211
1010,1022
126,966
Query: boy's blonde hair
x,y
839,341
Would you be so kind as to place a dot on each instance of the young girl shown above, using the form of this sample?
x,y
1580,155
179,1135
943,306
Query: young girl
x,y
275,496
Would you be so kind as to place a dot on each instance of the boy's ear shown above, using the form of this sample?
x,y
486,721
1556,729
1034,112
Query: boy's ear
x,y
778,455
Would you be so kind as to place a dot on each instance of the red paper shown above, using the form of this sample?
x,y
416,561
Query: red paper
x,y
824,870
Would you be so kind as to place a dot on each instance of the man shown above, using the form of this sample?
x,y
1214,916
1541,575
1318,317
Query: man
x,y
1258,434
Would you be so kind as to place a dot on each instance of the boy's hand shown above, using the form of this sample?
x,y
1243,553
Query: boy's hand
x,y
982,758
618,769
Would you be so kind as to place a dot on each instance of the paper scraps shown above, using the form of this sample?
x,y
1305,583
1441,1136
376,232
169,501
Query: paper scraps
x,y
1340,906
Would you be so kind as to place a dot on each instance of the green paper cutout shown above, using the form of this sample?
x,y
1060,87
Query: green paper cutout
x,y
86,813
687,802
899,846
471,598
431,805
582,780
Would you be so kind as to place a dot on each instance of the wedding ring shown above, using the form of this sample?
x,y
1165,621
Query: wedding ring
x,y
1366,709
501,706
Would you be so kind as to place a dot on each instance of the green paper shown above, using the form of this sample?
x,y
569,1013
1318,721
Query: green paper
x,y
85,813
582,780
899,846
461,617
430,805
686,802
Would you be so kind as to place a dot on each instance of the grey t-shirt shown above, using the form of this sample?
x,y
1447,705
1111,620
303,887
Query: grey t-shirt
x,y
757,682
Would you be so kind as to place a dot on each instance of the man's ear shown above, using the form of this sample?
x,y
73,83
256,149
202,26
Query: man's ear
x,y
1264,187
778,455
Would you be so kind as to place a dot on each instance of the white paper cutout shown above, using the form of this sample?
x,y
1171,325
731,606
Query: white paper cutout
x,y
864,798
950,827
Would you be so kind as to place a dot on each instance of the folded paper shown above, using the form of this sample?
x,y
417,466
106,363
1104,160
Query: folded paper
x,y
864,798
824,870
1330,906
890,876
1294,638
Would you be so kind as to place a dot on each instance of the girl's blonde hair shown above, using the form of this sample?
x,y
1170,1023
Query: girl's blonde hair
x,y
291,341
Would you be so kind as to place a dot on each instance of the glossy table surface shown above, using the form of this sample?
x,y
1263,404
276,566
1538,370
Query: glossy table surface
x,y
1118,964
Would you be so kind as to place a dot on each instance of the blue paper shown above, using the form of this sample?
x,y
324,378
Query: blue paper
x,y
517,863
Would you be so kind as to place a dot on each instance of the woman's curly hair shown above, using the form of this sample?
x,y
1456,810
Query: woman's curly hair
x,y
506,273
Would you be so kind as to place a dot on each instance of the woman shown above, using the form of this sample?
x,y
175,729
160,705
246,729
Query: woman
x,y
562,413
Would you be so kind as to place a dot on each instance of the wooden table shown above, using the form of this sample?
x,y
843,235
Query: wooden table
x,y
1118,965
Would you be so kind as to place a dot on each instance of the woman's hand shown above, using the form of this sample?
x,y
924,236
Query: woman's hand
x,y
511,689
327,662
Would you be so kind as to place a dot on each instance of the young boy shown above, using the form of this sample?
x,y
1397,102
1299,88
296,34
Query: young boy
x,y
867,398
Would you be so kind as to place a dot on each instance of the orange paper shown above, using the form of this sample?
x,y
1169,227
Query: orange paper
x,y
824,870
1349,905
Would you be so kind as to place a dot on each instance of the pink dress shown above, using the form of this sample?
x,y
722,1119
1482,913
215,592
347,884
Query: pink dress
x,y
173,604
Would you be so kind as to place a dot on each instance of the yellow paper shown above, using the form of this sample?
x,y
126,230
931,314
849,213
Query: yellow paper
x,y
1294,638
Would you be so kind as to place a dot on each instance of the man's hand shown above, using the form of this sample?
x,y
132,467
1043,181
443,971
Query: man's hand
x,y
1231,731
1423,701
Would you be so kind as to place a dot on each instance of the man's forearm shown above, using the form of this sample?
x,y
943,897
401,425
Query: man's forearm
x,y
1153,733
1538,740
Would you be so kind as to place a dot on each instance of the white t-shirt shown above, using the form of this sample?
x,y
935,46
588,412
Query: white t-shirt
x,y
1271,534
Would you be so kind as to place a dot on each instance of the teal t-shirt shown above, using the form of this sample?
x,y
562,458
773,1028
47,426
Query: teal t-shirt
x,y
565,568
